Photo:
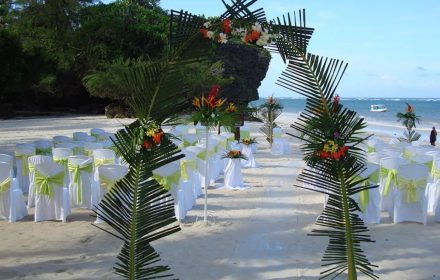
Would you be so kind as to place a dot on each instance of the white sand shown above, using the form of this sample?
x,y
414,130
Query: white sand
x,y
257,233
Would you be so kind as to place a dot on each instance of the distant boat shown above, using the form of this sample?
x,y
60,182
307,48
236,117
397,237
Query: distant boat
x,y
378,108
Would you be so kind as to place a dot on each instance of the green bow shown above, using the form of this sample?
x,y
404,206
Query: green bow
x,y
168,181
31,168
391,175
76,169
5,185
371,149
43,151
435,172
44,185
106,182
410,187
202,155
102,161
407,155
24,162
186,164
61,161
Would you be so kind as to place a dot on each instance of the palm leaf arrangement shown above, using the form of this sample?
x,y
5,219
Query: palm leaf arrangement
x,y
330,136
409,119
269,111
140,210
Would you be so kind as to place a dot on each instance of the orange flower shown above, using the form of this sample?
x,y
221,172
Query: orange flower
x,y
231,108
227,26
255,35
204,33
158,137
220,102
196,102
248,38
147,145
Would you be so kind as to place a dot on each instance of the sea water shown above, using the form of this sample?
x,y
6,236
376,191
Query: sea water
x,y
428,110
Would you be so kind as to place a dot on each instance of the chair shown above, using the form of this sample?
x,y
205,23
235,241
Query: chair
x,y
9,160
369,200
230,137
43,147
89,147
280,146
61,156
200,165
99,134
375,157
61,139
388,177
189,140
51,195
409,152
102,157
409,195
426,160
169,177
12,206
22,153
190,179
32,161
82,136
82,186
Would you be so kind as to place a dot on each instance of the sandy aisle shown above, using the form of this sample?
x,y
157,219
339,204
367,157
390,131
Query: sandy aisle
x,y
258,233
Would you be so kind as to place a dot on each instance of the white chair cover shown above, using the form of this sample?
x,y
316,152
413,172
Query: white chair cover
x,y
12,206
22,153
176,190
230,137
250,161
99,134
9,160
43,147
199,175
82,186
375,157
55,206
61,139
102,157
32,161
233,176
89,147
66,145
61,156
388,166
189,139
409,195
82,136
369,200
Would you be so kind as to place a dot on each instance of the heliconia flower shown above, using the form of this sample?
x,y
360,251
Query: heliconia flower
x,y
227,26
231,108
147,144
220,102
158,137
196,102
214,91
409,108
204,33
205,102
222,38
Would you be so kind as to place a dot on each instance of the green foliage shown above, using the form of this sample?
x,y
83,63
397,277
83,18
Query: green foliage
x,y
324,122
409,119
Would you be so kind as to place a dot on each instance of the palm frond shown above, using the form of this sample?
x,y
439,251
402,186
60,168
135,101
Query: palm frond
x,y
323,120
241,9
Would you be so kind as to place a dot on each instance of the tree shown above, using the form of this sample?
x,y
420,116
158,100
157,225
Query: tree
x,y
269,111
409,119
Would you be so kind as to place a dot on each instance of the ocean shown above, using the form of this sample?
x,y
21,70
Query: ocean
x,y
428,109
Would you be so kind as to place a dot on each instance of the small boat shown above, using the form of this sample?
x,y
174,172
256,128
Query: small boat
x,y
378,108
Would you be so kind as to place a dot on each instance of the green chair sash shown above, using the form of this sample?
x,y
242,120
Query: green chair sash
x,y
435,172
102,161
371,149
188,144
245,134
202,155
24,162
168,181
407,155
76,169
79,151
391,175
186,164
31,168
5,185
410,188
44,185
43,151
61,161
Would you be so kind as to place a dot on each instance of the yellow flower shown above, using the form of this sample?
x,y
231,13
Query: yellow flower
x,y
231,108
196,102
220,102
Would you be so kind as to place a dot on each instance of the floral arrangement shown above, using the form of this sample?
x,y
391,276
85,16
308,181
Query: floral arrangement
x,y
153,136
211,110
332,150
234,154
221,31
248,141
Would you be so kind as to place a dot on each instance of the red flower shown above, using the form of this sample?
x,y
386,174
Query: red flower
x,y
255,35
324,155
204,33
214,91
227,26
409,108
147,145
158,137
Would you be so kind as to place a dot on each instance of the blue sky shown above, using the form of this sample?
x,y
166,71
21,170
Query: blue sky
x,y
392,47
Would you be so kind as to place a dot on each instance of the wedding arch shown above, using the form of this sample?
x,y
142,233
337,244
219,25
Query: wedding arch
x,y
139,209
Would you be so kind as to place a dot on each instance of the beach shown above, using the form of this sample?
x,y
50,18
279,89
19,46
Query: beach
x,y
256,233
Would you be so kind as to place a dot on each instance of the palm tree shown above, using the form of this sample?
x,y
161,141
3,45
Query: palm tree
x,y
269,111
